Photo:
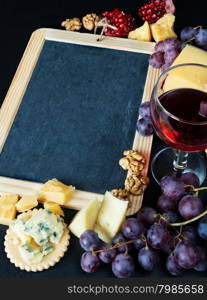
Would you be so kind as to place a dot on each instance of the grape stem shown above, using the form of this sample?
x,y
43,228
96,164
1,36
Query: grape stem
x,y
117,245
189,221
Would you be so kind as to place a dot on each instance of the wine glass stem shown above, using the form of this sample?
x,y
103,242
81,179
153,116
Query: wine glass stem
x,y
180,161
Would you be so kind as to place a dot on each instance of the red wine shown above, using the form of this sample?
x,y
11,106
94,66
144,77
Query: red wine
x,y
178,120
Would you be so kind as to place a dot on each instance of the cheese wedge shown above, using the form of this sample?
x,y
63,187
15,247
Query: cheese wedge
x,y
85,219
163,28
26,203
111,215
7,214
102,234
189,76
9,199
55,191
54,207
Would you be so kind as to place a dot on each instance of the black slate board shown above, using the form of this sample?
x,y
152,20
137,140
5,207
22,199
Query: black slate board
x,y
77,116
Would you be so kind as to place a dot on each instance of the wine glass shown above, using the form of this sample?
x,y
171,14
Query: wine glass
x,y
179,114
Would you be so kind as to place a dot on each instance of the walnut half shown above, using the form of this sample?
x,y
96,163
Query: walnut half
x,y
73,24
133,161
136,185
121,194
90,21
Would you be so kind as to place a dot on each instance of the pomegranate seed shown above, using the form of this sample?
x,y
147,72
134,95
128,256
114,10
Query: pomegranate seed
x,y
151,9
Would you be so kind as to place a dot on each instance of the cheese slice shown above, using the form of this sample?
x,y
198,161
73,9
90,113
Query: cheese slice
x,y
189,76
55,191
9,199
26,203
85,219
111,215
102,234
54,207
7,214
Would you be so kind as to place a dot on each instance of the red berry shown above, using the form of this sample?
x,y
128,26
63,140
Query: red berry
x,y
123,22
152,11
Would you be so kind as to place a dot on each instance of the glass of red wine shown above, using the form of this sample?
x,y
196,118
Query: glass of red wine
x,y
179,114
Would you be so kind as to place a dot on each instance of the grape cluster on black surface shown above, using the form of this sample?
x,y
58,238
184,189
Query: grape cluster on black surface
x,y
168,231
196,35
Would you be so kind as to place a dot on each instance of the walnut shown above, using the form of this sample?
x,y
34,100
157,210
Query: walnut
x,y
133,161
120,194
90,21
72,24
136,185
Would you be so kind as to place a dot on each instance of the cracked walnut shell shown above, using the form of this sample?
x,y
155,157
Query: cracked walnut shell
x,y
133,161
90,21
136,185
72,24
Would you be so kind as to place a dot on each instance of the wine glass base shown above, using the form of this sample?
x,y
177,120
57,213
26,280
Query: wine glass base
x,y
162,164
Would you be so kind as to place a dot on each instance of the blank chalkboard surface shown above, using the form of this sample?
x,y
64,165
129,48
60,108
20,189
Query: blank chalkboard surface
x,y
76,116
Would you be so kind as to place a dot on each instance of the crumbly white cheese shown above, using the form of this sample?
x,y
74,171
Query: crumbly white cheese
x,y
37,234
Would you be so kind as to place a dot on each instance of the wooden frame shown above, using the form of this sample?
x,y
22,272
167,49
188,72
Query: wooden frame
x,y
18,87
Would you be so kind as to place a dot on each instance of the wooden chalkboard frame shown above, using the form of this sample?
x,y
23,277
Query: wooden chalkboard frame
x,y
19,85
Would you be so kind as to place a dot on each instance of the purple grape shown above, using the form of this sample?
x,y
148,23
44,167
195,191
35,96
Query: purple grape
x,y
123,266
168,248
170,56
156,60
158,236
172,266
148,259
165,204
172,187
190,233
119,238
139,243
190,178
187,33
202,264
132,229
172,43
159,47
144,110
202,228
89,240
170,217
203,106
201,37
186,254
190,207
147,216
107,256
145,127
89,262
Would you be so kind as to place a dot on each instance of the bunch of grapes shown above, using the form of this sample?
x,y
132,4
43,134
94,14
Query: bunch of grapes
x,y
155,231
165,53
196,35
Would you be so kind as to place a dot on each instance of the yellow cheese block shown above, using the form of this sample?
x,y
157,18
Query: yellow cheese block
x,y
163,28
142,33
9,199
190,76
111,215
55,191
7,214
26,203
54,207
85,219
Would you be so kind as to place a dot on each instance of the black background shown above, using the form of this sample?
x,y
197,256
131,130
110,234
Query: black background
x,y
18,19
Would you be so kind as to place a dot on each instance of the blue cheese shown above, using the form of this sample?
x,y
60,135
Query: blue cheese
x,y
37,234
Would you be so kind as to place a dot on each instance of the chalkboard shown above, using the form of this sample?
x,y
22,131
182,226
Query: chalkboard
x,y
77,115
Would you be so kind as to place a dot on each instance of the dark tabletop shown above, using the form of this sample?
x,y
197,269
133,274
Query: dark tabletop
x,y
18,19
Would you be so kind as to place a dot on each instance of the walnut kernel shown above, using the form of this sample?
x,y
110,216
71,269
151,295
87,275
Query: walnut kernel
x,y
136,185
90,21
133,161
72,24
